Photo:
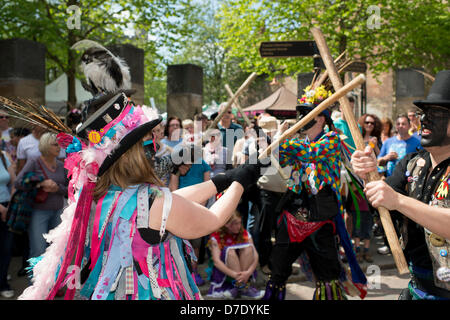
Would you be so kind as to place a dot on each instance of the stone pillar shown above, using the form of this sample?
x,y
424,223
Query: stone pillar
x,y
134,57
184,90
410,86
22,69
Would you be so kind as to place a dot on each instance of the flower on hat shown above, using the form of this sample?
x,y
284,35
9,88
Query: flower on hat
x,y
314,97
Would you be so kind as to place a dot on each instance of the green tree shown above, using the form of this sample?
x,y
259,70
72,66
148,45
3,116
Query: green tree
x,y
385,34
53,23
203,46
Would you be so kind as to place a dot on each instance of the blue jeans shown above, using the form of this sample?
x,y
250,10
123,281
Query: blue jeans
x,y
42,221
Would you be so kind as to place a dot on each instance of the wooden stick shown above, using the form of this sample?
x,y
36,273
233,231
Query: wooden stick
x,y
315,112
274,161
237,94
236,103
324,75
386,220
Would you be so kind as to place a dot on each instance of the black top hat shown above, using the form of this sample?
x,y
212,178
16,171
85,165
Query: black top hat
x,y
439,94
104,110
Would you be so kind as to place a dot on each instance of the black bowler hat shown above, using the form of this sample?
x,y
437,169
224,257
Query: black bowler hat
x,y
439,94
127,142
306,108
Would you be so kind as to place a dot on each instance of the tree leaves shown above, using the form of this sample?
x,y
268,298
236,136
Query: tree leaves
x,y
385,33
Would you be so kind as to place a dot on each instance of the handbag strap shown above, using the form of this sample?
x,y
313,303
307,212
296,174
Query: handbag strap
x,y
43,171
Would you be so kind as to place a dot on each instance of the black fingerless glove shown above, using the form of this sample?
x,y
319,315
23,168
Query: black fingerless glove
x,y
245,174
222,181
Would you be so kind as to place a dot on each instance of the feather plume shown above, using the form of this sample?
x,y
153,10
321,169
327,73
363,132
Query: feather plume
x,y
31,112
104,71
45,270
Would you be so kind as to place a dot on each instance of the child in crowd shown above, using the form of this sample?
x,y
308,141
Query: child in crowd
x,y
234,260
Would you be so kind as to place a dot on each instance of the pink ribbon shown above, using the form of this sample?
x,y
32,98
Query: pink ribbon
x,y
81,215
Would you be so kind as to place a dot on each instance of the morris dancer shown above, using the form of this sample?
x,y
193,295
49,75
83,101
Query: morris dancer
x,y
312,210
425,177
121,227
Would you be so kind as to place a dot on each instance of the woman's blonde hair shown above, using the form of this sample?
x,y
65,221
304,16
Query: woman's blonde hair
x,y
45,142
131,168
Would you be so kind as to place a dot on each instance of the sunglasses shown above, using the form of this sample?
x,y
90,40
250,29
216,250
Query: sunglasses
x,y
4,117
369,122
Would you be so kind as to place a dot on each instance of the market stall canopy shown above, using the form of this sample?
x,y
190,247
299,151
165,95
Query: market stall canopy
x,y
280,104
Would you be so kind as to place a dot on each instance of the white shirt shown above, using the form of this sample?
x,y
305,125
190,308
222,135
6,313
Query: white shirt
x,y
28,148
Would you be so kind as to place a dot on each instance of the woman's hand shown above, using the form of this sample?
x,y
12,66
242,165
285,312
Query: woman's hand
x,y
49,185
3,212
184,168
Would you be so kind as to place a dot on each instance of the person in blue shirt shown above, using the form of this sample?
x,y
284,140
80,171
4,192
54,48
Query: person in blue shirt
x,y
229,129
398,146
341,124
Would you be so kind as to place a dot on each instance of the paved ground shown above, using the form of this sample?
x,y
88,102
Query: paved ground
x,y
382,275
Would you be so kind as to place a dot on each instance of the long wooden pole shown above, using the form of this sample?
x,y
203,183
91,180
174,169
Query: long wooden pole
x,y
273,160
315,112
238,106
385,217
231,100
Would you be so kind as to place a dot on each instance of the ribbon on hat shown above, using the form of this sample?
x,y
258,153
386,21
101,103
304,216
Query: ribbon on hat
x,y
75,146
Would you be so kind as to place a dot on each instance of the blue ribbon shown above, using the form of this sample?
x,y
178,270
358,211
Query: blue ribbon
x,y
75,146
126,203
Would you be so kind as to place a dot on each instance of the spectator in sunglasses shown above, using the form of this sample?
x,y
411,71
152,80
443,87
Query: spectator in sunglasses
x,y
371,131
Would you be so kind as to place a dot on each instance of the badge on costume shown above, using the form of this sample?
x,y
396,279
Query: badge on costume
x,y
442,190
421,162
94,136
443,274
436,241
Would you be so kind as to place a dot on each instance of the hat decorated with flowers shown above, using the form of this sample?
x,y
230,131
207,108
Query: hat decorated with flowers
x,y
312,98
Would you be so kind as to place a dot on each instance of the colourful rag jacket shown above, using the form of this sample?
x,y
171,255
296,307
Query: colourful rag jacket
x,y
121,265
316,164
